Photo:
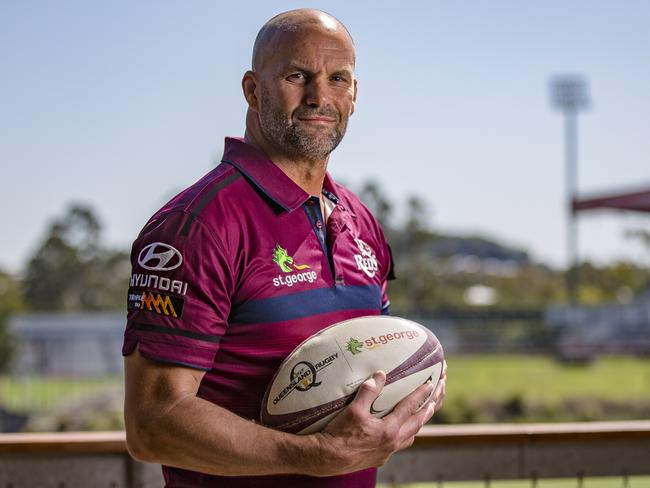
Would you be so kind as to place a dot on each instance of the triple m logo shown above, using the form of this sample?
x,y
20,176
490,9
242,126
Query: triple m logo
x,y
158,303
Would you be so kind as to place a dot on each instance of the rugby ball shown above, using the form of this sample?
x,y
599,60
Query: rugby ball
x,y
321,376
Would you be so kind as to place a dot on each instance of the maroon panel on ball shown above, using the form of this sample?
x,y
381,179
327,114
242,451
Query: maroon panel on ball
x,y
297,421
428,354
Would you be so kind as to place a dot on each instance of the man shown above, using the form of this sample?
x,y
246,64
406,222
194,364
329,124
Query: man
x,y
241,267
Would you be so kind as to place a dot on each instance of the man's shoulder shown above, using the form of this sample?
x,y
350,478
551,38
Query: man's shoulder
x,y
195,197
206,200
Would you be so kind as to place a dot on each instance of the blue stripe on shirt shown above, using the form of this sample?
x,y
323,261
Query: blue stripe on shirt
x,y
307,303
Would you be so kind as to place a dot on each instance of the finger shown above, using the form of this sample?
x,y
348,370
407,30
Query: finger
x,y
409,405
438,405
438,396
439,392
406,444
369,391
426,400
413,425
443,373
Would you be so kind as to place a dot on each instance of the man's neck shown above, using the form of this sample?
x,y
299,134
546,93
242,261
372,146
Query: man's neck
x,y
307,174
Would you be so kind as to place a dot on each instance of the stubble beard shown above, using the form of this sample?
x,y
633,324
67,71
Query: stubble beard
x,y
297,140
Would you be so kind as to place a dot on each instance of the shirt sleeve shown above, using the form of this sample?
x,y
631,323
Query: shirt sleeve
x,y
179,293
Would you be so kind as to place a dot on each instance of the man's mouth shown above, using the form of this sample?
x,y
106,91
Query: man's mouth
x,y
317,119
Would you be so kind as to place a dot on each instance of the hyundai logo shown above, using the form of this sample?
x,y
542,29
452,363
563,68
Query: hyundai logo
x,y
159,257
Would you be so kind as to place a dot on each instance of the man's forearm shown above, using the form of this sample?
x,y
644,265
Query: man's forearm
x,y
197,435
167,423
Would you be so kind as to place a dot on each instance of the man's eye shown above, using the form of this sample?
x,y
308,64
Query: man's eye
x,y
298,76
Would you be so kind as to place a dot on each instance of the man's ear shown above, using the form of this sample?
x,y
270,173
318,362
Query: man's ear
x,y
249,87
354,97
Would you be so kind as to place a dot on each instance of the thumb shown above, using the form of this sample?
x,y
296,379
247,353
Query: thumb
x,y
369,391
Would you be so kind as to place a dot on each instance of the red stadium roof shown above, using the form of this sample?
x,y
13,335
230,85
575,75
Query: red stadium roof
x,y
638,201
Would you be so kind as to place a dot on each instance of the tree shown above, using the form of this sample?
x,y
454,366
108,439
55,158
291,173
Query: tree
x,y
612,282
72,271
416,218
642,235
373,197
10,301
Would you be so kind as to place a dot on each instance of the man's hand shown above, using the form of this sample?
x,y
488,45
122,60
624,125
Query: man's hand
x,y
356,440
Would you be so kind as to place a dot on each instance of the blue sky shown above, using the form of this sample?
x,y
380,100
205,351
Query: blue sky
x,y
120,104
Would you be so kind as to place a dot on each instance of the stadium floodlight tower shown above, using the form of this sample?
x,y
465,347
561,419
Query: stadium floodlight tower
x,y
569,94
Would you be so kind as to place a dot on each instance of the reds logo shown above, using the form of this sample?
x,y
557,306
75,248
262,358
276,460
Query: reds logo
x,y
366,261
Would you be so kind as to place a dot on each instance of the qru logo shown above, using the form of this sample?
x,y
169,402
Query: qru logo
x,y
366,261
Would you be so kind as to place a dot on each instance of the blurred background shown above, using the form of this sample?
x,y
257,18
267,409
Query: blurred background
x,y
503,145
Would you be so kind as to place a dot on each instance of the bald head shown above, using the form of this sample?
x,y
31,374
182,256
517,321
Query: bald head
x,y
301,89
290,23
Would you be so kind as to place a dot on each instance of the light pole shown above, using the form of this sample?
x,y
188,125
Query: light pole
x,y
569,94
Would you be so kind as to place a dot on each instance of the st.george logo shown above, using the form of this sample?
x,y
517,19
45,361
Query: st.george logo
x,y
286,263
281,258
159,257
354,346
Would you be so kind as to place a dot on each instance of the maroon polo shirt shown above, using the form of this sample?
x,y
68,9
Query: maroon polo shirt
x,y
236,271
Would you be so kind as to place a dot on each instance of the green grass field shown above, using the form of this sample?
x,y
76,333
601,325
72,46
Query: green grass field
x,y
541,378
522,385
518,388
32,394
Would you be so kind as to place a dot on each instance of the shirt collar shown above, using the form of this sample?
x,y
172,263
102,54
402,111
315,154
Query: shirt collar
x,y
268,177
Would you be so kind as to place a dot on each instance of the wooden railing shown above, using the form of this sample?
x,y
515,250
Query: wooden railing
x,y
440,453
523,451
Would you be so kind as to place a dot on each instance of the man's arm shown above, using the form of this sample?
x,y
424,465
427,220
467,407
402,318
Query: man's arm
x,y
166,423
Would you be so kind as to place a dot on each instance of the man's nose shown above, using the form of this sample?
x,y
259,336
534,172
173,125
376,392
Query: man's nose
x,y
316,92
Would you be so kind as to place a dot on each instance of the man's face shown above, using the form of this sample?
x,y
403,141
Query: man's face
x,y
307,92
